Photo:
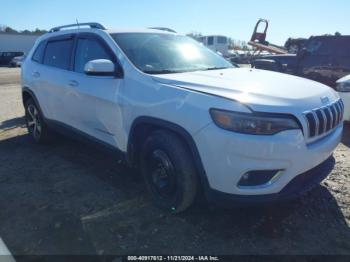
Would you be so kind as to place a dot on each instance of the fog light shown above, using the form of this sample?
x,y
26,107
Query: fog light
x,y
259,178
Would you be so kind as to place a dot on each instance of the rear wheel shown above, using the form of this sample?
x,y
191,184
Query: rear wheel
x,y
168,171
36,126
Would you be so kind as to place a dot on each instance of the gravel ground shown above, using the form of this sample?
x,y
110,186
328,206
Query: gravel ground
x,y
71,198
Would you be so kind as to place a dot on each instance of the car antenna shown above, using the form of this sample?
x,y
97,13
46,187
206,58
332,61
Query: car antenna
x,y
77,23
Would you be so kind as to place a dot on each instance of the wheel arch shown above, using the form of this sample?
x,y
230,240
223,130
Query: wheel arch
x,y
144,126
27,94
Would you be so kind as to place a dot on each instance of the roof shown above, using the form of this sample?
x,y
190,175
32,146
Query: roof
x,y
328,36
87,27
109,31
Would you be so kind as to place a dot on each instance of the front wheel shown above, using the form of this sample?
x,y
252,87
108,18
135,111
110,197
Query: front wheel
x,y
168,171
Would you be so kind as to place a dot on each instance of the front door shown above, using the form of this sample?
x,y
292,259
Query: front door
x,y
93,100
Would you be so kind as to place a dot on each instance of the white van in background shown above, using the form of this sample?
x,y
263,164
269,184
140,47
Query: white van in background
x,y
217,43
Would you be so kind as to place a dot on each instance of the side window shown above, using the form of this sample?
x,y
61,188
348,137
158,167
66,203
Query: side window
x,y
343,46
58,53
210,40
321,47
328,47
222,40
313,46
39,53
88,49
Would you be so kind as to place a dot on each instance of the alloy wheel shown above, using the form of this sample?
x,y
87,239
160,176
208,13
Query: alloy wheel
x,y
33,121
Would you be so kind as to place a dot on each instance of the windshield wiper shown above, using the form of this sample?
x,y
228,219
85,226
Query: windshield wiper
x,y
169,71
215,68
165,71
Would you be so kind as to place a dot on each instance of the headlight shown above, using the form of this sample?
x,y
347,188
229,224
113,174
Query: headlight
x,y
254,124
343,86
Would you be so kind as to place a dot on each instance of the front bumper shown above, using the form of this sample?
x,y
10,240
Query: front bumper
x,y
227,156
295,188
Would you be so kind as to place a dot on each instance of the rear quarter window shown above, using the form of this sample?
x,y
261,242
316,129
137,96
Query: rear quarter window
x,y
39,53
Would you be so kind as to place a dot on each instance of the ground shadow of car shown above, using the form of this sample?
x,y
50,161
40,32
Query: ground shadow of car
x,y
12,123
47,189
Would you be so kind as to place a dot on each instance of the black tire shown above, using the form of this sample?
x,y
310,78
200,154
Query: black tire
x,y
168,171
37,128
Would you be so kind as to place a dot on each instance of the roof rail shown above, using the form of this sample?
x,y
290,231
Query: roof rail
x,y
164,29
92,25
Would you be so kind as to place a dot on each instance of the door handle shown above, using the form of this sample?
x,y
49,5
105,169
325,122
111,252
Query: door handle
x,y
73,83
36,74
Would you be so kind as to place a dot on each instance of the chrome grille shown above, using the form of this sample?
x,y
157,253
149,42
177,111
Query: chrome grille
x,y
324,119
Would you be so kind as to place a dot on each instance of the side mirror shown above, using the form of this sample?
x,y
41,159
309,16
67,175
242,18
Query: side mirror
x,y
100,67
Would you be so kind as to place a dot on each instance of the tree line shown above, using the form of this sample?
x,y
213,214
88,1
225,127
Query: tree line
x,y
10,30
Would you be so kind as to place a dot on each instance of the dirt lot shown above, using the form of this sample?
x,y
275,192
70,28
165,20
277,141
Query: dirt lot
x,y
70,198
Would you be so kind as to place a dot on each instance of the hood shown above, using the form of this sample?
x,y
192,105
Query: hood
x,y
344,79
260,89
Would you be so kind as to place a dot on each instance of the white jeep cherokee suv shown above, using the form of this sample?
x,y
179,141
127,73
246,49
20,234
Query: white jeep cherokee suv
x,y
185,116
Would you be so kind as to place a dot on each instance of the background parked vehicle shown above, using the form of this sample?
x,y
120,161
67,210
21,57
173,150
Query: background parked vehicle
x,y
324,59
6,57
17,61
240,56
343,88
217,43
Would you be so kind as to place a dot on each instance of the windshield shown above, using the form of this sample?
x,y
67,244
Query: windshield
x,y
156,53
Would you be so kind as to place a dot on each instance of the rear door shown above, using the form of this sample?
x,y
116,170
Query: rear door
x,y
31,76
92,101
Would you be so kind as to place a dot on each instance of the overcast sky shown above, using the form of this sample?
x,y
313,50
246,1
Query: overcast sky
x,y
236,19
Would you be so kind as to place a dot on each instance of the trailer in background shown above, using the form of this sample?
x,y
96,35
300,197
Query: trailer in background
x,y
13,45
